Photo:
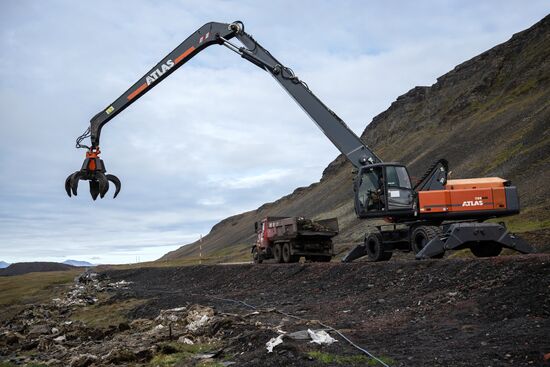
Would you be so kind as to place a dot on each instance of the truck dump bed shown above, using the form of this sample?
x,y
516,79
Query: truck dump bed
x,y
293,227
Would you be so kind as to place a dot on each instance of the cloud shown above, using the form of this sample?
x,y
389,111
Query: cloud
x,y
218,137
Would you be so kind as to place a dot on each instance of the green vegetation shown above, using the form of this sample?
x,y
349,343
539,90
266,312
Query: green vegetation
x,y
9,364
354,360
176,353
105,315
17,291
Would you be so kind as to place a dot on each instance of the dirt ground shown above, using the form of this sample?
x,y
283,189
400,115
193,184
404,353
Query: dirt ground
x,y
452,312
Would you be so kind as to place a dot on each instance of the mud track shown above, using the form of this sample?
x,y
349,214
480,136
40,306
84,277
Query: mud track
x,y
490,312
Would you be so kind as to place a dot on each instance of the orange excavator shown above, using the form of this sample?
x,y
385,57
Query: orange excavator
x,y
428,217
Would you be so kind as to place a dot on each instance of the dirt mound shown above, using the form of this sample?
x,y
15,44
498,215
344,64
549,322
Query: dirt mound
x,y
32,267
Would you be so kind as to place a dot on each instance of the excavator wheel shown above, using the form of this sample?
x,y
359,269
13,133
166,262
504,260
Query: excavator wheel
x,y
421,235
278,253
486,249
375,248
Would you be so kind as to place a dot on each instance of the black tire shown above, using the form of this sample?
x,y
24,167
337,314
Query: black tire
x,y
421,235
375,248
286,253
278,253
256,257
486,249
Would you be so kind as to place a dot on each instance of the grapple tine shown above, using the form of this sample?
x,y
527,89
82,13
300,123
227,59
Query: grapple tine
x,y
103,183
68,185
117,183
74,182
94,188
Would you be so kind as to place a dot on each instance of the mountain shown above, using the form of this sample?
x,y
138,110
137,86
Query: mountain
x,y
3,264
489,116
78,263
31,267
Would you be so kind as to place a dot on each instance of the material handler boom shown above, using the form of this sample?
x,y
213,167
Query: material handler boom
x,y
382,190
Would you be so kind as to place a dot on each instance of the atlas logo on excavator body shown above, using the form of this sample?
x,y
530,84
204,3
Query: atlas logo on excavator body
x,y
169,64
473,203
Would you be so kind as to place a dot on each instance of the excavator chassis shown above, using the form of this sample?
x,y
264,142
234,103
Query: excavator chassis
x,y
429,240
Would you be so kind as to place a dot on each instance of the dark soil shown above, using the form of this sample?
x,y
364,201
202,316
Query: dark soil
x,y
452,312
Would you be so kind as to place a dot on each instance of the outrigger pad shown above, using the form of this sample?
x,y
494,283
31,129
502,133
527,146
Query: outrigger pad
x,y
463,235
357,252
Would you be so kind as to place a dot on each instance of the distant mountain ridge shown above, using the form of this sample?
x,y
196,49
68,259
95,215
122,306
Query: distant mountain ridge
x,y
4,264
32,267
78,263
489,116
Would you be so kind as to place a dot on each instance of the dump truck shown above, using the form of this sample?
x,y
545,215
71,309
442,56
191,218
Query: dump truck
x,y
286,239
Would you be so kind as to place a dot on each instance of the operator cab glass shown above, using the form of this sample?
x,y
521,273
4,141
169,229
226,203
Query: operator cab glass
x,y
383,190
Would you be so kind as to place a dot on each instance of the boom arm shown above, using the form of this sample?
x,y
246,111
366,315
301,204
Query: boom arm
x,y
219,33
93,168
207,35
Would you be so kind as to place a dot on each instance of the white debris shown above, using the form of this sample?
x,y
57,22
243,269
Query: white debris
x,y
60,339
273,342
198,323
185,340
320,337
159,327
177,309
55,330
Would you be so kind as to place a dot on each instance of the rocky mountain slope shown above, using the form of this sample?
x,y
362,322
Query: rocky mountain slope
x,y
489,116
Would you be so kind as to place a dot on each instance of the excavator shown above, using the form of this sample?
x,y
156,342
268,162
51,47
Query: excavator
x,y
432,215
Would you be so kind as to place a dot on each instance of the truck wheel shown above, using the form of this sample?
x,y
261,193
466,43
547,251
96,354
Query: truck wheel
x,y
486,249
277,253
375,248
287,258
256,257
421,235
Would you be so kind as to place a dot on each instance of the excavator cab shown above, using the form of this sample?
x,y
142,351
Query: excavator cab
x,y
383,190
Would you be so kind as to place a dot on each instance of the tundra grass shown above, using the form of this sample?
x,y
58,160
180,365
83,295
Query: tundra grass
x,y
105,315
17,291
173,354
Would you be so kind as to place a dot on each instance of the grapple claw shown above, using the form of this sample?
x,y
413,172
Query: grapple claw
x,y
74,181
68,185
92,170
102,182
116,181
94,188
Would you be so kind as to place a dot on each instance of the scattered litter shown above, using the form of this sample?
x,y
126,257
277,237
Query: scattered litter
x,y
273,342
198,323
320,337
185,340
60,339
299,335
204,355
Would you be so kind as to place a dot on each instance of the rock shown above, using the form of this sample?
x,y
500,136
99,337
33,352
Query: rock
x,y
83,360
118,356
60,339
37,330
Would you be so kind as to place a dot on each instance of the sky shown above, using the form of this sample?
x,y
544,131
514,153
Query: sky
x,y
219,136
